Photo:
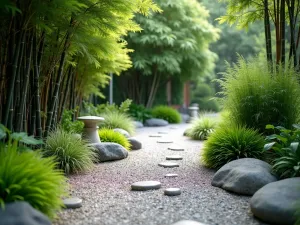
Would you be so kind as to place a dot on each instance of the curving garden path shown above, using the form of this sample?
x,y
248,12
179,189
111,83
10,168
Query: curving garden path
x,y
108,199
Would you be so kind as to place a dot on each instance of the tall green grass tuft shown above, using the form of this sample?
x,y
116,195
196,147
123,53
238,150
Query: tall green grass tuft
x,y
117,119
226,144
254,96
72,154
26,176
201,128
109,135
167,113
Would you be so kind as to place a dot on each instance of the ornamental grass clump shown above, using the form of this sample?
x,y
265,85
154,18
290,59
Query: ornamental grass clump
x,y
117,119
109,135
201,128
255,96
226,144
72,154
27,176
167,113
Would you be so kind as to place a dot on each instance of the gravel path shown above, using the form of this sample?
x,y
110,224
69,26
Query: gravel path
x,y
108,200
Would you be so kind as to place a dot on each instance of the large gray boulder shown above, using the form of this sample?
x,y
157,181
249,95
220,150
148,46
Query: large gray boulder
x,y
135,144
243,176
138,124
122,131
276,202
22,213
156,122
108,151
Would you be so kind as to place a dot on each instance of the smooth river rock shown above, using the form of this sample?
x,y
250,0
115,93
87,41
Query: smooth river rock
x,y
172,191
145,185
243,176
135,144
174,157
108,151
156,122
72,203
122,131
155,135
276,203
168,164
22,213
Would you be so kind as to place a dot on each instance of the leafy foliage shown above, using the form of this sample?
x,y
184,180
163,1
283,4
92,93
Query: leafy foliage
x,y
167,113
139,112
68,125
109,135
116,119
71,154
284,148
201,128
26,176
229,143
254,96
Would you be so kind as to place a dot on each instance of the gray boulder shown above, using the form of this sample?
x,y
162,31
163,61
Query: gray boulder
x,y
22,213
156,122
135,144
138,124
243,176
108,151
185,117
122,131
276,202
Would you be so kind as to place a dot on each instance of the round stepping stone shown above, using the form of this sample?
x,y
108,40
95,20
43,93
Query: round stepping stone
x,y
162,132
164,141
155,135
171,175
176,148
172,191
72,203
173,128
168,164
174,157
145,185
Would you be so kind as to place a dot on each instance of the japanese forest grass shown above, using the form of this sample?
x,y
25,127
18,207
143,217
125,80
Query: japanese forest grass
x,y
109,135
254,96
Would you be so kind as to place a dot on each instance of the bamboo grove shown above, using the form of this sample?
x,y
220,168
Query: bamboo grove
x,y
281,23
53,53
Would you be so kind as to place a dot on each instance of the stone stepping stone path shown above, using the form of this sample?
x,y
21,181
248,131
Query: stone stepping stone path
x,y
171,175
72,203
165,141
155,135
188,222
145,185
168,164
172,191
176,148
173,128
162,132
174,157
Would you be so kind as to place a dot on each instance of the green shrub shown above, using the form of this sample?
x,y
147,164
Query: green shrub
x,y
72,154
139,112
26,176
116,119
201,128
108,135
208,104
283,148
167,113
68,125
203,90
254,96
226,144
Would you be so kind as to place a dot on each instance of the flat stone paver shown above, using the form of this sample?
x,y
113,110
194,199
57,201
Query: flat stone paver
x,y
168,164
172,191
72,203
155,135
162,132
165,141
171,175
187,222
145,185
176,148
174,157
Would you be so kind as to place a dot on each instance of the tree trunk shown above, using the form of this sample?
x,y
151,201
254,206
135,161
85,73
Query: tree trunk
x,y
268,32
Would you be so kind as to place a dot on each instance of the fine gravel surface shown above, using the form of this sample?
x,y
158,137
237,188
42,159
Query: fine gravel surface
x,y
108,199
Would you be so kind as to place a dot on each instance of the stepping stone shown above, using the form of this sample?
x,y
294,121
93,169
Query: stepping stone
x,y
155,135
187,222
145,185
168,164
171,175
172,191
174,157
173,128
162,132
176,148
72,203
165,141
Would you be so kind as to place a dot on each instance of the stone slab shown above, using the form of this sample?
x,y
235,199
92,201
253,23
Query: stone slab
x,y
171,175
72,203
168,164
172,191
187,222
145,185
165,141
174,157
176,148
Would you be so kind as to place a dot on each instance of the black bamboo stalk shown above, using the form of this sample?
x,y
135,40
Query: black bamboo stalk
x,y
66,93
267,31
282,30
32,110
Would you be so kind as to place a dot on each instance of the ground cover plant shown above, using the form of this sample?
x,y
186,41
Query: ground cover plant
x,y
72,154
201,128
109,135
284,151
228,143
256,96
69,124
139,112
167,113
